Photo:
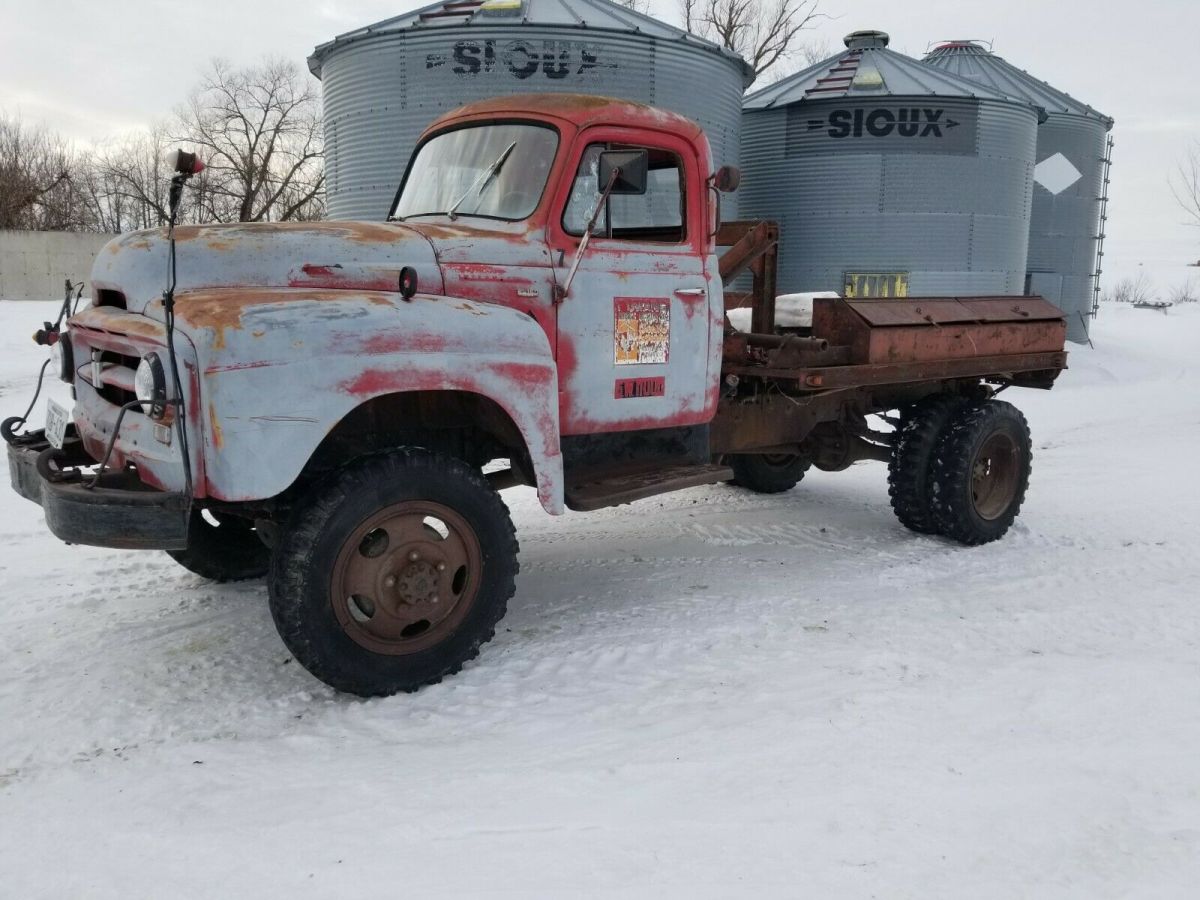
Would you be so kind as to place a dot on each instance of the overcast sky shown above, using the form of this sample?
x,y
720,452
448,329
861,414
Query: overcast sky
x,y
96,69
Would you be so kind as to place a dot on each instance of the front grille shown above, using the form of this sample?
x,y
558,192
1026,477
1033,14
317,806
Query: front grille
x,y
116,394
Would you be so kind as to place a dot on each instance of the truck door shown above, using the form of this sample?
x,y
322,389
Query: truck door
x,y
634,332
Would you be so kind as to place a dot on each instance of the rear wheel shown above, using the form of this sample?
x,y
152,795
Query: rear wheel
x,y
921,427
394,573
223,548
768,473
980,472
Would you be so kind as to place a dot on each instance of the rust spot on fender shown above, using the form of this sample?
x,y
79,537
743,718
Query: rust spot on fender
x,y
103,318
223,309
224,236
218,440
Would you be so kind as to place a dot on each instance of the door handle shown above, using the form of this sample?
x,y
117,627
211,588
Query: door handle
x,y
691,292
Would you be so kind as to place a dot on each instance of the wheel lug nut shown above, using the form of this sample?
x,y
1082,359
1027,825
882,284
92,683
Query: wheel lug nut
x,y
441,567
414,556
390,581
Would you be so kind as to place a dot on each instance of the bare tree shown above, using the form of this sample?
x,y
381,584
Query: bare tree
x,y
814,51
1185,184
808,53
128,180
763,32
259,132
690,10
39,184
638,6
257,128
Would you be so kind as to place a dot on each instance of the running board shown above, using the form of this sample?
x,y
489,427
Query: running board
x,y
627,487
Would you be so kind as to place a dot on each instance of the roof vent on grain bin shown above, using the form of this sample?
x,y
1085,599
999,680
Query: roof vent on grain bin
x,y
383,84
1070,181
890,177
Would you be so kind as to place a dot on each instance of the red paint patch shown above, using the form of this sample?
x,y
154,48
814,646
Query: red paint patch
x,y
527,374
339,279
375,381
566,357
692,304
482,272
315,271
400,342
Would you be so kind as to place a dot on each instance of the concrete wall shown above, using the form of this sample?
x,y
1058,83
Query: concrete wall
x,y
34,264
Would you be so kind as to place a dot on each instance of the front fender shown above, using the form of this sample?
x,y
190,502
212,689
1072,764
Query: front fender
x,y
281,367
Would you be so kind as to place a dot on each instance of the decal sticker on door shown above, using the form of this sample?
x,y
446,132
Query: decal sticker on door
x,y
641,330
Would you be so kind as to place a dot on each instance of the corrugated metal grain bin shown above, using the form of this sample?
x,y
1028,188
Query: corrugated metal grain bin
x,y
889,177
1069,181
384,84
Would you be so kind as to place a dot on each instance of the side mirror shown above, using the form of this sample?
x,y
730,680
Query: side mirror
x,y
631,168
727,178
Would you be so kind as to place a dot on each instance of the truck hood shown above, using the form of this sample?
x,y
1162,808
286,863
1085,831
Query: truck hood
x,y
363,256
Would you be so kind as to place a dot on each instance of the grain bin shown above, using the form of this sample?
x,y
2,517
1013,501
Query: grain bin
x,y
889,177
385,83
1070,180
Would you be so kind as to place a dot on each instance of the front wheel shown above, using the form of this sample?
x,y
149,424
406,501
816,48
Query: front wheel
x,y
768,473
223,548
980,472
394,573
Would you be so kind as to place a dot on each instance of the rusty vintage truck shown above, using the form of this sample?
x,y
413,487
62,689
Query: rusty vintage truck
x,y
336,405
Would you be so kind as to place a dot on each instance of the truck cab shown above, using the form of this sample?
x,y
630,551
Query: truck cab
x,y
636,338
337,404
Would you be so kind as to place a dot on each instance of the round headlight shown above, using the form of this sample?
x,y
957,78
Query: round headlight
x,y
62,358
150,386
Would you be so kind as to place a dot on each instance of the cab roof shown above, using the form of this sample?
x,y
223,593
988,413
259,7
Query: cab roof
x,y
580,110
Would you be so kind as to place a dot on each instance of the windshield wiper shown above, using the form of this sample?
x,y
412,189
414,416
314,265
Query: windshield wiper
x,y
482,181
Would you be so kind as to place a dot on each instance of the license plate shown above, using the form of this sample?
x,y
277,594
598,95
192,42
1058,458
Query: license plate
x,y
57,418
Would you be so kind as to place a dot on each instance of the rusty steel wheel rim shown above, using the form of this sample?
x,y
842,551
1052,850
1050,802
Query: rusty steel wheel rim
x,y
994,476
406,577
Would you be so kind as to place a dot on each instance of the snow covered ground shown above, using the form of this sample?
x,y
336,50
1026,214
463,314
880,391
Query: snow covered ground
x,y
710,694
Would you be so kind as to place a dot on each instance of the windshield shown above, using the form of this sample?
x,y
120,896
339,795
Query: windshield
x,y
497,171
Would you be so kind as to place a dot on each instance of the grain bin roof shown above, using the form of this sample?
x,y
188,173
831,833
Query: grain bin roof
x,y
975,61
586,15
868,69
